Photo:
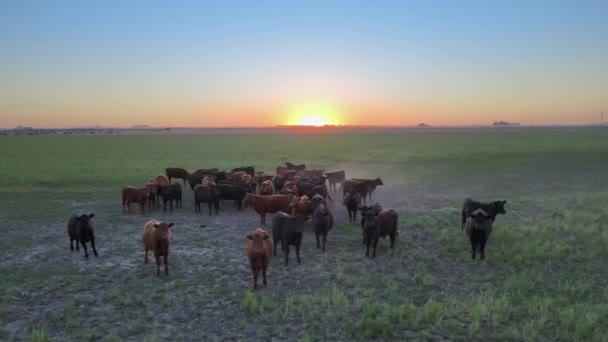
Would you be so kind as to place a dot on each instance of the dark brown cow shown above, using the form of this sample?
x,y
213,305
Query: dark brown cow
x,y
132,194
371,185
267,204
259,251
177,172
359,187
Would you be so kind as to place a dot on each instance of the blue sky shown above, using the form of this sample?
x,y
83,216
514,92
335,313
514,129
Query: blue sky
x,y
227,62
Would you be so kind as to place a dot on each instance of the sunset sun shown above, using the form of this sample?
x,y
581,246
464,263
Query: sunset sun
x,y
313,115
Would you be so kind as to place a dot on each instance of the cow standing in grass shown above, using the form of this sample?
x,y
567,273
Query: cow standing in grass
x,y
157,238
259,251
80,229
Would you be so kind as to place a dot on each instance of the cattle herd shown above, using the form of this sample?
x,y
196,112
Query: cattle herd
x,y
294,195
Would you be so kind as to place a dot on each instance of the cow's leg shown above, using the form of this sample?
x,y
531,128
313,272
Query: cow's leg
x,y
472,247
84,246
93,246
298,253
164,205
77,244
129,206
72,244
367,243
171,205
145,255
157,263
375,246
255,277
324,241
166,263
264,274
317,236
482,247
393,238
263,219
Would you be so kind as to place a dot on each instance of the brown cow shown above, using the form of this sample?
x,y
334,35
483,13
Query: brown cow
x,y
259,250
301,206
267,204
132,194
160,180
152,188
267,188
177,172
238,176
157,237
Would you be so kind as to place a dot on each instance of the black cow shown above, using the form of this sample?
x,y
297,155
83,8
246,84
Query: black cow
x,y
352,201
170,193
288,230
80,229
379,225
492,209
235,192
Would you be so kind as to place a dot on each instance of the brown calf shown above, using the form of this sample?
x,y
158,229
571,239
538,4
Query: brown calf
x,y
259,250
157,237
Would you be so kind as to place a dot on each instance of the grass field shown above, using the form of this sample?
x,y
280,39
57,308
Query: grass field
x,y
544,277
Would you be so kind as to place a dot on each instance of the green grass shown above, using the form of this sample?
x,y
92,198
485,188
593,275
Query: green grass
x,y
543,277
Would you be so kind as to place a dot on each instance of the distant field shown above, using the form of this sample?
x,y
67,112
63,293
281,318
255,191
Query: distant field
x,y
544,277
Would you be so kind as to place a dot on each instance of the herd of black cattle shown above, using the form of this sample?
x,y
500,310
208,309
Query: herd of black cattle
x,y
294,194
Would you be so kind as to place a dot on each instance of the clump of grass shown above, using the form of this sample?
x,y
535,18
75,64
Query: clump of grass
x,y
39,335
256,303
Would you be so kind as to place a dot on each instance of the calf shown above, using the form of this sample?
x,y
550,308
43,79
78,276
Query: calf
x,y
80,229
259,250
288,230
171,193
206,194
323,221
334,178
152,189
176,172
478,228
379,225
160,181
132,194
267,204
157,238
492,209
352,201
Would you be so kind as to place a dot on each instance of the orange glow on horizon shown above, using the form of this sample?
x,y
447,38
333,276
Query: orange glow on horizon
x,y
313,115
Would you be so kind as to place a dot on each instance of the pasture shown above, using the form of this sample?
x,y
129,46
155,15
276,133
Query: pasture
x,y
544,276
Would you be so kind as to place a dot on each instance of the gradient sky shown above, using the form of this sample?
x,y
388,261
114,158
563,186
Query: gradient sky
x,y
256,63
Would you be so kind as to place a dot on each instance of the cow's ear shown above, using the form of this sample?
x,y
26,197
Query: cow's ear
x,y
504,202
266,236
170,224
249,237
91,215
155,225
